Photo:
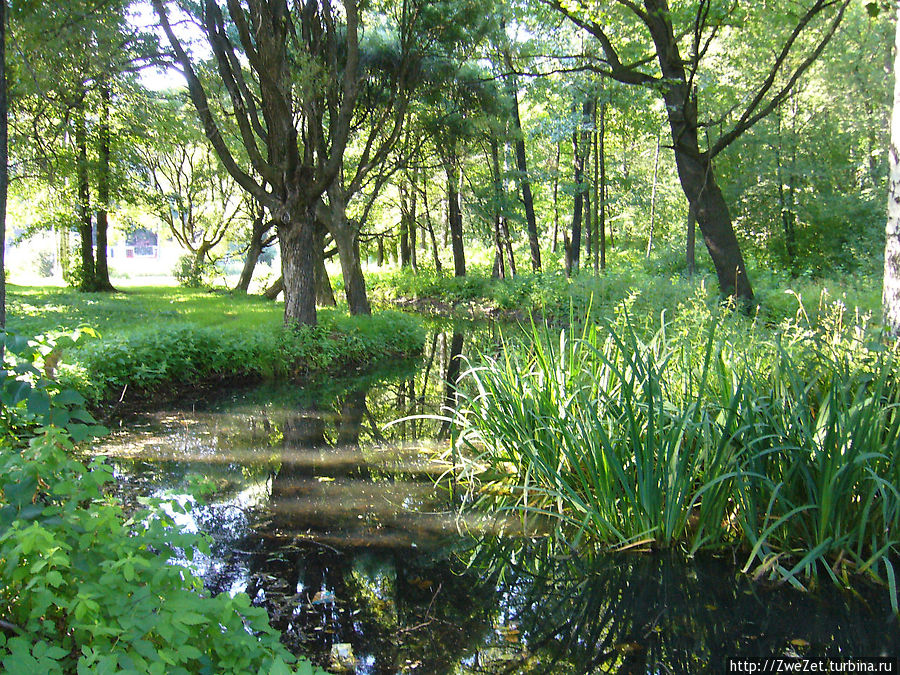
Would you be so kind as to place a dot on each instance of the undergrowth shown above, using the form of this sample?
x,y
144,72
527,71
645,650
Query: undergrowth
x,y
85,587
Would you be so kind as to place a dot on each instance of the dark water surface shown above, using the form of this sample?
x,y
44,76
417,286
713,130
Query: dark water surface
x,y
333,523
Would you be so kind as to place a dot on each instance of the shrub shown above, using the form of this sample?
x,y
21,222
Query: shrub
x,y
86,588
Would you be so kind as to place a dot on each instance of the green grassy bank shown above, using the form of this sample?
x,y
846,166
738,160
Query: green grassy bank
x,y
151,338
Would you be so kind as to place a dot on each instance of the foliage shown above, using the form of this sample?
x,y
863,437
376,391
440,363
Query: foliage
x,y
705,432
155,338
86,587
191,272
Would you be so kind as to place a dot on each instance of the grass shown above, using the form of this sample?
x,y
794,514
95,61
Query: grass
x,y
647,287
153,338
710,431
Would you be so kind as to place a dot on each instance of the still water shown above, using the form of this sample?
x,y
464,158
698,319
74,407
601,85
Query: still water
x,y
347,530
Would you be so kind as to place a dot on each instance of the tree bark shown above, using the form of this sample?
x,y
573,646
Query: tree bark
x,y
351,268
404,228
891,290
454,216
254,250
786,198
430,225
524,180
324,291
556,197
102,282
275,289
300,239
601,205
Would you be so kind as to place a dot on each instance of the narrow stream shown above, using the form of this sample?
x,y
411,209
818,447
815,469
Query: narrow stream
x,y
333,522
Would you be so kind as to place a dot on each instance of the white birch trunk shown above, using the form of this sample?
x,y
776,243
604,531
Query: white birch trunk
x,y
891,295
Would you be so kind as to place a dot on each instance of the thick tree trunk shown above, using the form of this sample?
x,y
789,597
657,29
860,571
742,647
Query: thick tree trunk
x,y
891,293
346,238
102,268
524,180
695,170
85,227
300,240
454,218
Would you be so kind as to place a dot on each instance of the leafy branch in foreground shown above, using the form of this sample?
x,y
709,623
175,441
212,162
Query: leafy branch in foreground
x,y
84,586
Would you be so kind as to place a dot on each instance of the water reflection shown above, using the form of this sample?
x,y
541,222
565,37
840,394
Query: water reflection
x,y
332,522
659,613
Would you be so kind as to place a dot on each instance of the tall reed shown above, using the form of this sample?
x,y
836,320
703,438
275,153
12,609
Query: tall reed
x,y
787,449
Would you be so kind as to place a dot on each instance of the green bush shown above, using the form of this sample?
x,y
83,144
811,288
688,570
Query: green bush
x,y
86,588
146,360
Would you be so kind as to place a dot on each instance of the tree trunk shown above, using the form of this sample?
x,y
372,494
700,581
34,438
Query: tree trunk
x,y
4,170
324,291
556,197
573,250
300,240
254,250
454,216
691,240
413,226
524,180
430,225
102,281
601,206
695,169
404,228
653,194
275,289
351,269
786,198
379,256
85,228
499,264
891,293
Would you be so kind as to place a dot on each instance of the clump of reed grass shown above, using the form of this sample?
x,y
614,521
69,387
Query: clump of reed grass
x,y
787,448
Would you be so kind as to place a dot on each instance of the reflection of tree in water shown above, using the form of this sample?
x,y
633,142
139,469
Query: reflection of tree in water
x,y
643,613
329,569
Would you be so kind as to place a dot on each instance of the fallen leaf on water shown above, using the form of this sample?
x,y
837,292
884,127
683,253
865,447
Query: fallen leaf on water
x,y
799,642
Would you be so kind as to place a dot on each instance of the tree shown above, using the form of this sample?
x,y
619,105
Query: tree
x,y
187,186
891,293
293,103
652,32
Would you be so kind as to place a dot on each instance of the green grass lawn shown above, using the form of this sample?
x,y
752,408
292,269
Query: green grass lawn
x,y
33,310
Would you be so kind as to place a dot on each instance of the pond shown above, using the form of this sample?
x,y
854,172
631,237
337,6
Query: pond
x,y
342,529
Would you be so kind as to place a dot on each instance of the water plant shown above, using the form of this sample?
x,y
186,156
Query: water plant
x,y
707,435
